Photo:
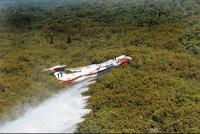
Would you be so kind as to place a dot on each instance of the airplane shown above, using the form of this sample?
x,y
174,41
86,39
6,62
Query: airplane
x,y
83,73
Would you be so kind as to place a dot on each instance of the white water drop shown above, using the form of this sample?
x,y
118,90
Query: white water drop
x,y
60,113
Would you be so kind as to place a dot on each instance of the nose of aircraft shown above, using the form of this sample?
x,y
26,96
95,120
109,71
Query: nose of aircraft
x,y
125,60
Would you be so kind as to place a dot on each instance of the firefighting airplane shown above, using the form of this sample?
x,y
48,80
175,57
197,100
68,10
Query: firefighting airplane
x,y
82,73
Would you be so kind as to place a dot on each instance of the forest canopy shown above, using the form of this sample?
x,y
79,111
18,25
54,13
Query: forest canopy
x,y
158,92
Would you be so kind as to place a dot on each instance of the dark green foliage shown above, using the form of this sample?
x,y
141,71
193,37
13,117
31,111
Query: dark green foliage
x,y
169,45
136,42
2,88
69,40
192,41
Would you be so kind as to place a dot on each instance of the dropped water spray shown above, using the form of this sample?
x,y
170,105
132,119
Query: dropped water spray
x,y
60,113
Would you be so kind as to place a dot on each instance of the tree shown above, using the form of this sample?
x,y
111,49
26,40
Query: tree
x,y
69,39
49,32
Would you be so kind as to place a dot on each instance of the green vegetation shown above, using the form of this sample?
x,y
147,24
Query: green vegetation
x,y
158,92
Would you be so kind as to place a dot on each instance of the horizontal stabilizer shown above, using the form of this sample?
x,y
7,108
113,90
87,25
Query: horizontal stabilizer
x,y
55,68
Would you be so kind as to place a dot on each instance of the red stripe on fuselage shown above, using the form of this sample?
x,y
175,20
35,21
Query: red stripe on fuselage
x,y
72,80
69,81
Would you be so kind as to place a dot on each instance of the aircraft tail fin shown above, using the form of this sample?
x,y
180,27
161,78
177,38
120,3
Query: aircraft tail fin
x,y
57,70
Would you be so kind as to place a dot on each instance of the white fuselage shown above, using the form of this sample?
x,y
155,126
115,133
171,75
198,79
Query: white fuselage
x,y
82,73
86,72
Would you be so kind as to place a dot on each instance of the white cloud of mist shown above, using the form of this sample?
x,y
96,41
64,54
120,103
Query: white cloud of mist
x,y
60,113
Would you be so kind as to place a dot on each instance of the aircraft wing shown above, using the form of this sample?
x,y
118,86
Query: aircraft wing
x,y
78,68
75,69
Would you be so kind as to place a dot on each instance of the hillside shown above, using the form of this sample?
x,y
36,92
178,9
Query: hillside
x,y
158,92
